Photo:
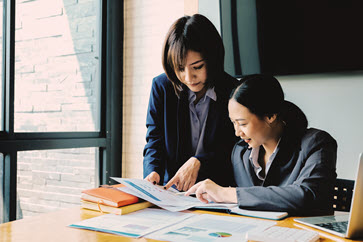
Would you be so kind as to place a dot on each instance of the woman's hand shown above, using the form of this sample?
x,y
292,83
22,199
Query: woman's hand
x,y
186,175
153,177
208,190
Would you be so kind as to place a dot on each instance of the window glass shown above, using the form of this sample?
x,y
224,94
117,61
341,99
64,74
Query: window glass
x,y
1,67
57,87
49,180
1,187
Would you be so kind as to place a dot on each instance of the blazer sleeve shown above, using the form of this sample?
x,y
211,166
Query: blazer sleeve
x,y
309,193
155,142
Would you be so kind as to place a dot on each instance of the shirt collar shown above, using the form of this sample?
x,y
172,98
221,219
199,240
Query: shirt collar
x,y
254,155
209,93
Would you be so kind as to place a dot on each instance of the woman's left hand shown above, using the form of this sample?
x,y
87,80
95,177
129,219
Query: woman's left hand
x,y
186,176
208,190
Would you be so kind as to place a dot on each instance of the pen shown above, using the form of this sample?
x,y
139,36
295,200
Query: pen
x,y
183,193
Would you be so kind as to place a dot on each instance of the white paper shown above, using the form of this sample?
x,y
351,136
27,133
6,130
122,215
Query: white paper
x,y
135,224
167,199
208,227
259,214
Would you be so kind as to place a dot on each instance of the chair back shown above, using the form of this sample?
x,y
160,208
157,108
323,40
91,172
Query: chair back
x,y
342,194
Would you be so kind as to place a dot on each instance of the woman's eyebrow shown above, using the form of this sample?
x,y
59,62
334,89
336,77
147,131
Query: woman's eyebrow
x,y
238,119
196,62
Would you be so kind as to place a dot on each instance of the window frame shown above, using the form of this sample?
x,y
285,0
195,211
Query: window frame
x,y
108,139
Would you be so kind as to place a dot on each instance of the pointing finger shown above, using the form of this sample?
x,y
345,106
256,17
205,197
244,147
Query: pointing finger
x,y
173,181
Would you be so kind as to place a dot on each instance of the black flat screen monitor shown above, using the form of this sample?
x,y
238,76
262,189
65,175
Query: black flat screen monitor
x,y
283,37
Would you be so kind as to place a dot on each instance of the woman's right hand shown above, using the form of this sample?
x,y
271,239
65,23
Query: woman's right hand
x,y
153,177
208,190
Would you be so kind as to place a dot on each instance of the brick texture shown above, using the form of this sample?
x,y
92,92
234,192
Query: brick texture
x,y
56,89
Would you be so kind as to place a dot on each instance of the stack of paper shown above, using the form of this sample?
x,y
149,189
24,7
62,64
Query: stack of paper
x,y
172,200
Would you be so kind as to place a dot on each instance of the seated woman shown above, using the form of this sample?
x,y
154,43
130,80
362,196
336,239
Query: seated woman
x,y
280,164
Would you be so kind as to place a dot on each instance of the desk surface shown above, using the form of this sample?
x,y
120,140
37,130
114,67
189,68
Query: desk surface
x,y
53,227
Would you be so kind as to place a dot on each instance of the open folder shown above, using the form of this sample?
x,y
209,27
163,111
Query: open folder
x,y
172,201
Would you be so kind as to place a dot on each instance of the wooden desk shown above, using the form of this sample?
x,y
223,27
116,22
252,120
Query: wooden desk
x,y
53,227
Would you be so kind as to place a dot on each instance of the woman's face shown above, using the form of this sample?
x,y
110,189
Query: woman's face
x,y
194,73
249,126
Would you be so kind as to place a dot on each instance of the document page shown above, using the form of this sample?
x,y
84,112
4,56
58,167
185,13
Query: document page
x,y
134,224
168,199
209,227
259,214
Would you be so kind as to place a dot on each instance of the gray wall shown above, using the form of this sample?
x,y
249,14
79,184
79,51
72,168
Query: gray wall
x,y
332,102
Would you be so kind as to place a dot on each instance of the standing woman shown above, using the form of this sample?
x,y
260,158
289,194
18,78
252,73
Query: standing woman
x,y
279,164
189,137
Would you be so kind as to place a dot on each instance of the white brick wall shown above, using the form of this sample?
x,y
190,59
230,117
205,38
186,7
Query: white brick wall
x,y
55,66
52,179
146,24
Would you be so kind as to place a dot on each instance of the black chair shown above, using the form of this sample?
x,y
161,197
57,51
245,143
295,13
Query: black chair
x,y
342,194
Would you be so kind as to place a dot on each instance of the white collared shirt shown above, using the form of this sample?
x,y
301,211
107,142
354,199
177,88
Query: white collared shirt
x,y
256,166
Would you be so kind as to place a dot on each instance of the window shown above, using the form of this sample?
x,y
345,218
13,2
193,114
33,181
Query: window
x,y
56,83
52,179
2,213
1,69
60,102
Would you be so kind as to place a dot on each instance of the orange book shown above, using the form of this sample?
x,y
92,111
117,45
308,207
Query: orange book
x,y
118,211
109,195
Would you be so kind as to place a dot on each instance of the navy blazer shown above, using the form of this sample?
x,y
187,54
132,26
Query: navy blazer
x,y
169,134
300,178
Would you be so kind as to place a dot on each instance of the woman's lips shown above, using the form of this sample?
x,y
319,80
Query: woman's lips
x,y
247,140
194,84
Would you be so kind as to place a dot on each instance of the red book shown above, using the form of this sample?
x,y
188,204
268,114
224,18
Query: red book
x,y
109,195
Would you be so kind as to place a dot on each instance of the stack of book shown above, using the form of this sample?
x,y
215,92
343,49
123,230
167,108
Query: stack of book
x,y
109,199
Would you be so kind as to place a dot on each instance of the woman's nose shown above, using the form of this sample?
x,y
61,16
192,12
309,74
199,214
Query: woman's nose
x,y
188,75
238,131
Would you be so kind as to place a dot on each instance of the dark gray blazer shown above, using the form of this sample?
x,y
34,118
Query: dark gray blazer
x,y
299,180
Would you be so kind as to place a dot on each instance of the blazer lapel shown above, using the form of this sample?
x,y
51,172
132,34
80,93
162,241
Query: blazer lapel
x,y
211,125
183,130
283,163
248,167
217,114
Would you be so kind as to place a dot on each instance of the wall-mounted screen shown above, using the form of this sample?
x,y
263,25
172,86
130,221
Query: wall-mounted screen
x,y
283,37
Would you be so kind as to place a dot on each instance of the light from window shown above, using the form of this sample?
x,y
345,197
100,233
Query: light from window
x,y
50,180
1,68
1,187
56,64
